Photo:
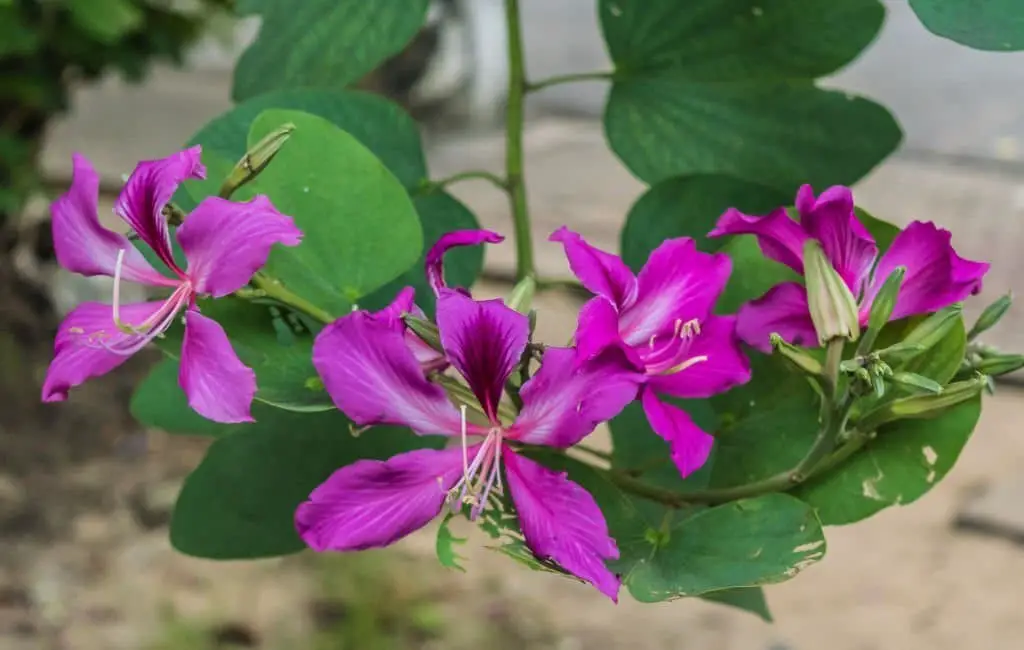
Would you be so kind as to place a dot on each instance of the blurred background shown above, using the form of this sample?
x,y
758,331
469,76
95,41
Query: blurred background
x,y
85,494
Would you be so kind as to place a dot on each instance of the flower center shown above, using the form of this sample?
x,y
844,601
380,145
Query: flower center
x,y
480,474
667,355
130,338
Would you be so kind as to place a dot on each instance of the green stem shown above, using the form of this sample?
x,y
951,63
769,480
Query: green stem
x,y
569,78
479,175
820,456
514,144
272,288
833,359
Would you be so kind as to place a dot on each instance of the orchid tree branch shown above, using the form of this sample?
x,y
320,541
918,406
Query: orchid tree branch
x,y
514,181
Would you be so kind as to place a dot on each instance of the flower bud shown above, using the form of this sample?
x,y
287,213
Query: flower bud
x,y
900,353
833,308
923,406
916,382
992,315
798,357
933,329
1000,364
881,309
522,295
425,330
255,160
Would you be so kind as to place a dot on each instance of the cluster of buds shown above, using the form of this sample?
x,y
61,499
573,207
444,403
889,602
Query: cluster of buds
x,y
884,374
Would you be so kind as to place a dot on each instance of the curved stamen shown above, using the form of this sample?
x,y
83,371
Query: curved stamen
x,y
672,356
139,335
479,476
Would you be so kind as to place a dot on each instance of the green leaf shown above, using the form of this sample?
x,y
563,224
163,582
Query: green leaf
x,y
273,343
446,543
240,502
106,20
724,87
906,460
734,40
360,229
385,130
690,206
323,43
667,554
995,25
380,125
745,543
749,599
778,133
766,426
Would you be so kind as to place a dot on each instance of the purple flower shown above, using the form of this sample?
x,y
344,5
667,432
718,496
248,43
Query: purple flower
x,y
224,243
374,378
662,321
935,275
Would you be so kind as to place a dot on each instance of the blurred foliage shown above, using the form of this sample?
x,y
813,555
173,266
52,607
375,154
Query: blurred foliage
x,y
49,46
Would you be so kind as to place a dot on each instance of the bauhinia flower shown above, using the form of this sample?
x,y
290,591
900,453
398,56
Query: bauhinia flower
x,y
935,275
224,243
374,378
662,321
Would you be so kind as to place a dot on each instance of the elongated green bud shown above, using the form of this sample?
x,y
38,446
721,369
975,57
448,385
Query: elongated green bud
x,y
256,160
900,353
833,307
923,406
425,330
933,329
992,315
881,309
522,295
797,356
917,382
1000,364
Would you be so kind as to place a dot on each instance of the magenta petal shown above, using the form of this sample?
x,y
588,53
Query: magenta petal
x,y
434,260
598,331
78,349
831,220
372,503
782,310
601,273
689,444
564,401
83,245
677,284
724,365
484,340
218,385
149,188
373,377
225,242
780,238
562,522
936,276
429,358
404,303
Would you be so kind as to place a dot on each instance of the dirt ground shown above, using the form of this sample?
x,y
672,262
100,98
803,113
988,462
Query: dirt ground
x,y
85,496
